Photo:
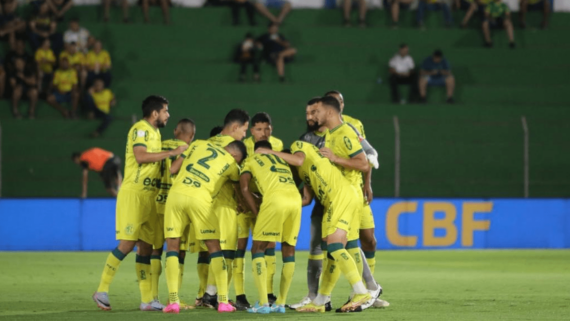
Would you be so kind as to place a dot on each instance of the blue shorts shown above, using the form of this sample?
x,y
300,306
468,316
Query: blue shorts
x,y
436,80
62,98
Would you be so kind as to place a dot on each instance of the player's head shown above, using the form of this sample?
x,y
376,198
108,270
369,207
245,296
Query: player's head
x,y
238,150
437,56
216,131
185,130
262,144
20,64
236,123
64,63
273,28
155,110
46,44
404,50
261,128
75,157
98,84
312,124
328,108
336,94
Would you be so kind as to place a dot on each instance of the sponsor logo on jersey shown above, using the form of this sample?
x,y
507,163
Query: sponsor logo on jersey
x,y
130,229
225,168
271,233
207,231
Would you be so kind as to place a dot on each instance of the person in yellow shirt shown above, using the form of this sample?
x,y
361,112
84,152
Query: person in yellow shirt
x,y
99,101
98,63
76,60
65,83
45,60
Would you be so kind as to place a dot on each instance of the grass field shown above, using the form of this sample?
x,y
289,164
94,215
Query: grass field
x,y
420,285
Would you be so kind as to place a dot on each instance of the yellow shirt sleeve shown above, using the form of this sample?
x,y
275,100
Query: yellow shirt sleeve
x,y
139,137
246,167
74,77
106,58
38,55
56,77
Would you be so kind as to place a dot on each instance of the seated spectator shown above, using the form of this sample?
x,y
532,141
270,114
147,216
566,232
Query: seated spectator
x,y
285,9
436,71
102,162
43,26
65,82
77,61
471,6
59,7
402,73
99,101
247,55
498,15
18,52
45,60
107,7
277,50
2,78
76,34
24,82
10,24
236,5
164,4
395,9
98,63
347,6
90,43
433,5
543,5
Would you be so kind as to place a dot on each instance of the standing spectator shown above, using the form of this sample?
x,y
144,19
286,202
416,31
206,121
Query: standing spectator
x,y
247,55
497,15
99,102
277,50
436,71
236,5
59,7
98,62
107,7
285,9
433,5
543,5
395,9
102,162
65,82
164,4
43,26
77,61
347,6
45,59
471,6
18,52
24,81
10,24
76,34
402,73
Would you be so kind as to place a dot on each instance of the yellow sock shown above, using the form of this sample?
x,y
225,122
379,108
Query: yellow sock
x,y
203,266
325,256
345,262
155,271
111,265
260,276
172,271
211,275
230,268
329,277
286,279
371,260
239,276
271,267
180,272
357,257
219,269
144,276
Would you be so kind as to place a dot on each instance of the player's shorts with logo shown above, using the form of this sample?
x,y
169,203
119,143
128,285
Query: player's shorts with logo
x,y
181,210
135,217
279,218
245,223
343,213
227,216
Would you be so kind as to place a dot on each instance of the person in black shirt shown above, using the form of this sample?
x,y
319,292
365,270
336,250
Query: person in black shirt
x,y
43,26
10,24
247,54
23,81
276,49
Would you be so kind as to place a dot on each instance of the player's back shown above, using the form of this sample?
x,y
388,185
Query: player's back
x,y
276,144
270,173
165,177
357,124
226,195
344,142
142,177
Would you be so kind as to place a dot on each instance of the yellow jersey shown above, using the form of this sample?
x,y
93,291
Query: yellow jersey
x,y
103,58
206,168
103,100
143,178
165,177
74,59
344,142
48,55
64,80
276,144
270,173
319,173
226,196
355,123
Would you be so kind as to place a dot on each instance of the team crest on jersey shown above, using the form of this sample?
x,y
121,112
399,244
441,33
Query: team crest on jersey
x,y
347,143
146,135
299,145
313,168
135,133
130,229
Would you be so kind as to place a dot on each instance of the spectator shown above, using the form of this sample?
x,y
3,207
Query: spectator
x,y
277,50
164,4
10,24
90,43
236,5
18,52
433,5
471,6
77,61
436,71
107,7
76,34
247,55
45,60
43,26
24,81
402,72
2,78
395,9
497,15
65,82
102,162
285,9
59,7
347,6
98,62
99,101
543,5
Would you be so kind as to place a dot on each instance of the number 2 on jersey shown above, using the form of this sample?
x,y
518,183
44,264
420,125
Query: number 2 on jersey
x,y
204,161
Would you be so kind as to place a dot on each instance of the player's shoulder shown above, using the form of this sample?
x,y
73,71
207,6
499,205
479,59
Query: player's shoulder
x,y
276,143
221,140
343,130
169,144
249,141
354,121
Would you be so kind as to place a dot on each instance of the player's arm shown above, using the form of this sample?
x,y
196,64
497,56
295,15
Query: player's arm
x,y
371,153
143,157
367,188
175,166
296,159
244,180
85,180
358,162
241,202
307,195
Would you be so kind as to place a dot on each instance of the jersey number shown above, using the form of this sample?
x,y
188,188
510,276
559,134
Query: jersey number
x,y
204,161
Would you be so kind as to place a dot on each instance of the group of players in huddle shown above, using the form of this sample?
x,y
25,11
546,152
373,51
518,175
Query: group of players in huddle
x,y
208,196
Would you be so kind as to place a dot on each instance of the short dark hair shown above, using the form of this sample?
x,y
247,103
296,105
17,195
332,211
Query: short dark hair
x,y
332,92
403,45
216,130
239,116
153,103
249,35
187,125
331,102
262,144
262,117
313,101
240,146
438,53
75,155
